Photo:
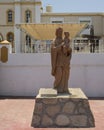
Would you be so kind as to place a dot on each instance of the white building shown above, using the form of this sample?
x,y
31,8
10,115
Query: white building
x,y
30,11
15,12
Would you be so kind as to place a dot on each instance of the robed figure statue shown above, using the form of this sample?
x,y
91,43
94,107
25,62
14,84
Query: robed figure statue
x,y
60,59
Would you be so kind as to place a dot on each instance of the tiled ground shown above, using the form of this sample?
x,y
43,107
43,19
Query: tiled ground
x,y
16,114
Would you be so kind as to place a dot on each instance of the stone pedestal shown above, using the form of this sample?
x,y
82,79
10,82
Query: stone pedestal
x,y
62,110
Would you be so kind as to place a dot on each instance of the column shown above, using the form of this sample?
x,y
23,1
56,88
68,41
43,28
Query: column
x,y
17,31
37,11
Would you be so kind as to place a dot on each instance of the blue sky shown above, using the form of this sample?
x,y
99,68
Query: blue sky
x,y
75,5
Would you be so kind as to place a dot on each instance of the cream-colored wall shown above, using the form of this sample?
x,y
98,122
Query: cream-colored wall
x,y
3,13
5,30
103,25
22,1
67,17
6,1
97,20
9,4
4,27
98,25
71,19
27,7
45,19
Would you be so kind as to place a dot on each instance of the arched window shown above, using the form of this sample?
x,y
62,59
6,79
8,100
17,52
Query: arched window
x,y
10,16
1,37
28,44
10,38
27,16
28,40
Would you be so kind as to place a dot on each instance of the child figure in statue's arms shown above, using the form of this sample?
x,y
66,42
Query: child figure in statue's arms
x,y
66,45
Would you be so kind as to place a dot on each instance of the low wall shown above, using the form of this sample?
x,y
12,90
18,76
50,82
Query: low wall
x,y
24,74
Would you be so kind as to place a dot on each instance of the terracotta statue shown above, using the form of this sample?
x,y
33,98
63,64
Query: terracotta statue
x,y
60,59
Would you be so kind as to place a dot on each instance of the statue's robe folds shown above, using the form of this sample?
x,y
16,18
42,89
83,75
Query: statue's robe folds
x,y
60,60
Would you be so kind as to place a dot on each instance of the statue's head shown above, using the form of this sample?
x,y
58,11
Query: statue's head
x,y
59,32
66,34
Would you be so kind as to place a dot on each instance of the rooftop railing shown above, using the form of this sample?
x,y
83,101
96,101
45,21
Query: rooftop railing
x,y
77,48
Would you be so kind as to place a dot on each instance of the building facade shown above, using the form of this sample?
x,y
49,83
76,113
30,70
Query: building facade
x,y
30,11
14,12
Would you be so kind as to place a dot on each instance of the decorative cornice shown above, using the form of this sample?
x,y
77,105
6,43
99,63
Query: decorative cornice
x,y
72,14
21,2
8,25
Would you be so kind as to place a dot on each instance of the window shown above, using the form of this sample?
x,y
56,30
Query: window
x,y
28,16
28,40
10,16
28,44
85,21
57,22
10,38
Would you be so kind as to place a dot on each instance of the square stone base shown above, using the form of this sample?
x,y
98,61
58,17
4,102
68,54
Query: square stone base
x,y
62,110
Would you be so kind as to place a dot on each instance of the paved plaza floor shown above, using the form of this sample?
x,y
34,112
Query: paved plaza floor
x,y
16,114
